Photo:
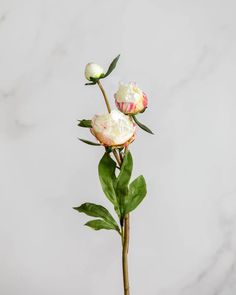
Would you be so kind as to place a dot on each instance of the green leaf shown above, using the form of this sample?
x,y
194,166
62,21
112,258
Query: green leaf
x,y
107,176
91,83
85,123
137,192
96,211
98,224
89,142
123,179
142,126
111,67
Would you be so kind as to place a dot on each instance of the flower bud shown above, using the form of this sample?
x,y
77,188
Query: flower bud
x,y
94,71
130,99
113,129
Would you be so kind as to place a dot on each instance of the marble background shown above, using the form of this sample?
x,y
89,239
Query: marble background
x,y
183,55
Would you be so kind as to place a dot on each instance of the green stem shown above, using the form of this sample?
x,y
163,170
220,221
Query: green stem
x,y
104,95
125,229
116,155
118,158
125,249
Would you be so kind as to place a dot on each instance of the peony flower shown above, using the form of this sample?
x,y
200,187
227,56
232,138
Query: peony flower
x,y
130,99
113,129
93,70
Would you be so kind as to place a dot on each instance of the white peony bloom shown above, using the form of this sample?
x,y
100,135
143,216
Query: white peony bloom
x,y
93,70
130,99
113,129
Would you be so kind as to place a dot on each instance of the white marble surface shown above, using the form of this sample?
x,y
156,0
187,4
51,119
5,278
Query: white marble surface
x,y
183,54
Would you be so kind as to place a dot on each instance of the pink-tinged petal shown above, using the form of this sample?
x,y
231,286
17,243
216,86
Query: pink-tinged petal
x,y
113,129
125,107
145,100
130,99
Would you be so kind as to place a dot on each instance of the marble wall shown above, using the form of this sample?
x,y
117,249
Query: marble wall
x,y
183,55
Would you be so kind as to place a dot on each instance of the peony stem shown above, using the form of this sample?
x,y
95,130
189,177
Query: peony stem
x,y
125,249
125,230
116,155
105,96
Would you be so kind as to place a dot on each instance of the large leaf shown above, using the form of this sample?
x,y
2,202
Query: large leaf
x,y
85,123
112,66
137,192
98,224
96,211
123,179
106,171
89,142
142,126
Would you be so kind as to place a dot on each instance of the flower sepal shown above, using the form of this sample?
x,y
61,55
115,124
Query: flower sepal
x,y
85,123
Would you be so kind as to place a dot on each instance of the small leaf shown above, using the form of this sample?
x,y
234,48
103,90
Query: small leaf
x,y
85,123
98,224
112,66
123,180
91,83
137,192
89,142
106,171
142,126
96,211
